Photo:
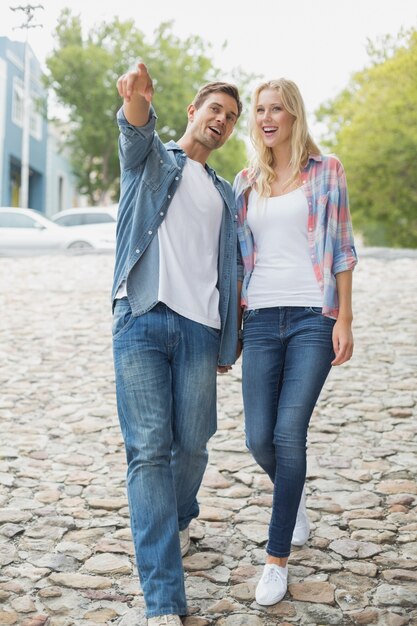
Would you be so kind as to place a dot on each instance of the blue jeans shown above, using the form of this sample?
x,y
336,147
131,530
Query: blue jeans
x,y
165,368
287,353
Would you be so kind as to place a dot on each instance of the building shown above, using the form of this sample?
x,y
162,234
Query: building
x,y
51,183
61,192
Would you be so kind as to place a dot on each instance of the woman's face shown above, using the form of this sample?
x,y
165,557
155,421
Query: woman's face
x,y
274,122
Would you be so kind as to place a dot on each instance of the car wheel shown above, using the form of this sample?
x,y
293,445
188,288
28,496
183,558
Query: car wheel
x,y
81,246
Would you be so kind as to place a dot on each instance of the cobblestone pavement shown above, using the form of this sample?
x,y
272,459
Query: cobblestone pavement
x,y
65,545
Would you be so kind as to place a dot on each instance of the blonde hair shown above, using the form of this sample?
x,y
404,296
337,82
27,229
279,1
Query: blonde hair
x,y
302,144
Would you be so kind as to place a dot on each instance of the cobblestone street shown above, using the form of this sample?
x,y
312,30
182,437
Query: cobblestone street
x,y
65,547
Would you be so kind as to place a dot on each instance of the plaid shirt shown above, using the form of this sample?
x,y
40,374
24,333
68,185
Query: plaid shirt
x,y
330,236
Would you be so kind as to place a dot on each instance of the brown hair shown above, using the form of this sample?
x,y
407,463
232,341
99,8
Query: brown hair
x,y
227,88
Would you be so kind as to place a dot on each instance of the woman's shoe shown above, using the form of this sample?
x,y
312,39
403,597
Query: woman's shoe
x,y
185,541
301,530
273,585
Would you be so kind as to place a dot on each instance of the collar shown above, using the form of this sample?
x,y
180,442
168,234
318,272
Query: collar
x,y
174,147
313,158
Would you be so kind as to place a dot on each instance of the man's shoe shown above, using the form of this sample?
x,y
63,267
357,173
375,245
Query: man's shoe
x,y
165,620
301,530
185,541
273,585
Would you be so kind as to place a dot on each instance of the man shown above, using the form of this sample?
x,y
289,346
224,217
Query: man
x,y
175,321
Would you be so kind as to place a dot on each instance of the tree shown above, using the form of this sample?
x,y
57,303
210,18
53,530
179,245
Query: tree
x,y
372,126
83,74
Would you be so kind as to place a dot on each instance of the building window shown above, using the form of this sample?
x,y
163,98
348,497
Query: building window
x,y
35,120
17,102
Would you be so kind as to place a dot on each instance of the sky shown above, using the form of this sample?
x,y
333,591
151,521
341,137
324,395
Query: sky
x,y
318,44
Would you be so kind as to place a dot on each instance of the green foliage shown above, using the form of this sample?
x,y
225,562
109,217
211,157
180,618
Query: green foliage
x,y
372,126
83,75
83,72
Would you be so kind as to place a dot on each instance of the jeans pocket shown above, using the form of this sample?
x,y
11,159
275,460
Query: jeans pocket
x,y
317,310
248,314
122,317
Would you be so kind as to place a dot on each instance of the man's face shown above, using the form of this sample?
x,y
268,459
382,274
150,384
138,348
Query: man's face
x,y
213,123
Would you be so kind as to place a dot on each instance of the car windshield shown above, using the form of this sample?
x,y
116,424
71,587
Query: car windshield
x,y
82,219
16,220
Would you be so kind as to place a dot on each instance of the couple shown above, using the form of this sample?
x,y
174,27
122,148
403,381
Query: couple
x,y
181,283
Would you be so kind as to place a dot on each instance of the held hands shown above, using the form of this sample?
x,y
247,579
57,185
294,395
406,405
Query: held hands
x,y
136,83
342,341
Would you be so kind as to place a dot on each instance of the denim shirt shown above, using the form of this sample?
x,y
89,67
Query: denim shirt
x,y
150,174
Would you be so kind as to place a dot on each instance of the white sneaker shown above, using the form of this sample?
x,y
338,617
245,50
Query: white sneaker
x,y
301,530
185,541
163,620
273,585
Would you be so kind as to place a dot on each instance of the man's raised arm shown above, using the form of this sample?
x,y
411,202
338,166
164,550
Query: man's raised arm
x,y
136,89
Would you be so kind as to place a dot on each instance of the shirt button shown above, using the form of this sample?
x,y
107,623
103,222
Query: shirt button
x,y
169,197
310,229
161,213
149,232
176,178
137,250
161,161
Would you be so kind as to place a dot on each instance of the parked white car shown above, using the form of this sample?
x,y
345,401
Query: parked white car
x,y
87,216
25,231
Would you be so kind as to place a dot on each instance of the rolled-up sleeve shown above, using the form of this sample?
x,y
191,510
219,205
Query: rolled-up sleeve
x,y
134,141
344,253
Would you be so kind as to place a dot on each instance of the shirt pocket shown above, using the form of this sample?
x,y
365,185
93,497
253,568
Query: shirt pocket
x,y
158,167
322,212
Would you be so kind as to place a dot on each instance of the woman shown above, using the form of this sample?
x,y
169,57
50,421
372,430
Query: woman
x,y
296,242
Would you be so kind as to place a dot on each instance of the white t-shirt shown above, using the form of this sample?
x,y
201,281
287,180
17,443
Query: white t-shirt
x,y
189,248
283,274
